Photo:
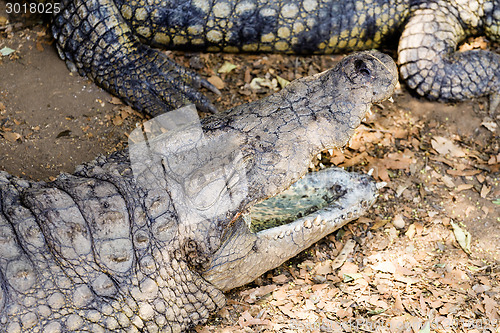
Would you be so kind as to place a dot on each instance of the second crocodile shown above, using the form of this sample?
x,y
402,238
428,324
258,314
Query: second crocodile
x,y
107,40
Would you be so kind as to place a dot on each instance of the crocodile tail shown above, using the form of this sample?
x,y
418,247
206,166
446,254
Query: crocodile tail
x,y
429,61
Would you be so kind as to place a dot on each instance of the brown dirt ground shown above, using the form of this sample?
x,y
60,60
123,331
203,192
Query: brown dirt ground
x,y
402,265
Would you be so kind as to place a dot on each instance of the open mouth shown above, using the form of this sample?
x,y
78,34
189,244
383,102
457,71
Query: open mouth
x,y
313,198
310,194
280,227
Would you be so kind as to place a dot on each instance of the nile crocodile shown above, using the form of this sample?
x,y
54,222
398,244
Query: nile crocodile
x,y
109,41
125,246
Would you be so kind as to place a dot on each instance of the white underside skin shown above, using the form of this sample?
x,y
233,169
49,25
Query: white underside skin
x,y
246,255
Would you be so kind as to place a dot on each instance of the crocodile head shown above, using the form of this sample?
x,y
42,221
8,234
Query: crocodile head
x,y
216,170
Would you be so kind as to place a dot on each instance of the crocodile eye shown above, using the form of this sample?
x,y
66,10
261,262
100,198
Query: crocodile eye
x,y
362,68
337,188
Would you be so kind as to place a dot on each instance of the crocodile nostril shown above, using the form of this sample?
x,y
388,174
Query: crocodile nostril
x,y
361,67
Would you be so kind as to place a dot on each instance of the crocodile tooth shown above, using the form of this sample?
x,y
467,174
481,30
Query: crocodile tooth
x,y
370,172
390,99
318,156
321,166
311,165
307,224
330,151
297,228
288,232
317,220
380,185
349,215
281,235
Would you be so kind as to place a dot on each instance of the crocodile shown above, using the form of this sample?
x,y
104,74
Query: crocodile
x,y
110,41
148,239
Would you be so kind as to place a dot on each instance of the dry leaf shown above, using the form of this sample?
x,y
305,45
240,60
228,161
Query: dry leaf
x,y
379,169
259,83
463,187
426,328
282,82
352,276
11,136
490,124
337,157
355,160
490,307
400,189
494,159
448,181
280,294
462,236
463,173
39,46
385,266
253,294
398,304
115,101
398,161
445,146
217,82
485,190
246,320
410,233
287,309
280,279
341,258
379,223
348,268
475,43
117,120
226,67
343,313
398,221
323,268
405,279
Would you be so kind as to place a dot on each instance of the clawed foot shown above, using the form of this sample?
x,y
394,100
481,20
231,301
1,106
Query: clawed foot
x,y
152,83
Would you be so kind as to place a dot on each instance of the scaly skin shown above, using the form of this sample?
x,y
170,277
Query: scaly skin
x,y
106,40
112,247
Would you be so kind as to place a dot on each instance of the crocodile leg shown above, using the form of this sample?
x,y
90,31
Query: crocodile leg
x,y
94,39
430,64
